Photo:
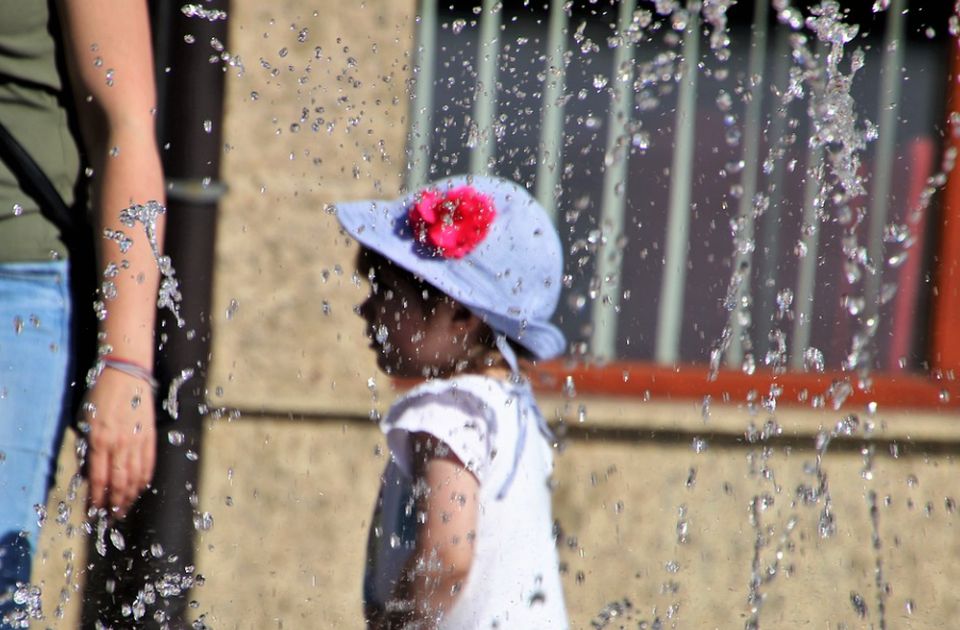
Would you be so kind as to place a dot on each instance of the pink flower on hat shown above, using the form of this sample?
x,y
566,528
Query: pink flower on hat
x,y
452,223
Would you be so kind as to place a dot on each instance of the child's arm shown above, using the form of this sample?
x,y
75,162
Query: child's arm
x,y
445,539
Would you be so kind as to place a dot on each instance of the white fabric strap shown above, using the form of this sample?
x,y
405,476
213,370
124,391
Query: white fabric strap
x,y
526,407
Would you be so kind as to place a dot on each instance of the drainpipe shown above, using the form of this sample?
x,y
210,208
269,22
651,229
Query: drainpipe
x,y
158,560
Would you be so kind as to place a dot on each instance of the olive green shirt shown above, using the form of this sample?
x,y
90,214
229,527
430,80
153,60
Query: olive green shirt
x,y
32,109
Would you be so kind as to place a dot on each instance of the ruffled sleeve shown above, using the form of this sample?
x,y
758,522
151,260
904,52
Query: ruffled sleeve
x,y
458,418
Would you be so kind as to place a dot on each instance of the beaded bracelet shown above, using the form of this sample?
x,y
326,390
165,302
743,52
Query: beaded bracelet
x,y
132,368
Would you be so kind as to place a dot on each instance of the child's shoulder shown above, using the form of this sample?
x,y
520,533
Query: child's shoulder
x,y
470,393
467,385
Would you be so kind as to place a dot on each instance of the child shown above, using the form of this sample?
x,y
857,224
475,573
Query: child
x,y
464,277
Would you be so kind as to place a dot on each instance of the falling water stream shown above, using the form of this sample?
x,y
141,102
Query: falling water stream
x,y
824,64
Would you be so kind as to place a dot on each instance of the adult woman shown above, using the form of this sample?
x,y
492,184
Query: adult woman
x,y
107,86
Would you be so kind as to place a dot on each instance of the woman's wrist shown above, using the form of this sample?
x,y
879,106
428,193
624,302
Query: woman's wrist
x,y
131,368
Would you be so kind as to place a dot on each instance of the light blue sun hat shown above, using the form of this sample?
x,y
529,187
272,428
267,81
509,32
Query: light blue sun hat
x,y
511,278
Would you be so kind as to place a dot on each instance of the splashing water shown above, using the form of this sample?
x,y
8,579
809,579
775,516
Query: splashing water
x,y
196,10
147,214
171,403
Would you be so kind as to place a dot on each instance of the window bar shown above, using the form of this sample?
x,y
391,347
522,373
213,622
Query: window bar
x,y
810,228
886,144
751,150
670,317
485,100
606,304
421,118
769,243
549,163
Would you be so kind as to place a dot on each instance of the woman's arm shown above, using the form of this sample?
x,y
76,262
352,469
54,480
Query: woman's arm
x,y
447,505
108,47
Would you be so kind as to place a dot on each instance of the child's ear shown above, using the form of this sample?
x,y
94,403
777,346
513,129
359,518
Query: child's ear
x,y
466,321
461,313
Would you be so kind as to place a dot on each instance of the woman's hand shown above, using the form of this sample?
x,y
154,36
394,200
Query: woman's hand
x,y
121,440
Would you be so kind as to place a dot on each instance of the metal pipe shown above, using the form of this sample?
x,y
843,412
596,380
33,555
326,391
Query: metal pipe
x,y
744,243
889,107
551,126
670,317
418,143
485,99
606,303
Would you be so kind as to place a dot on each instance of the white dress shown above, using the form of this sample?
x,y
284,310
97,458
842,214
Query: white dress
x,y
496,430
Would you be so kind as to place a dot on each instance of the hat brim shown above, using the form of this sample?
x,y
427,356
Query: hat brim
x,y
382,227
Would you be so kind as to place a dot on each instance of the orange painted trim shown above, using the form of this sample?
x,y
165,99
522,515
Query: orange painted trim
x,y
690,382
945,306
646,381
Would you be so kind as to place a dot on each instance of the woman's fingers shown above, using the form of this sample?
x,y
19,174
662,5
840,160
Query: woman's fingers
x,y
122,441
98,464
148,452
119,482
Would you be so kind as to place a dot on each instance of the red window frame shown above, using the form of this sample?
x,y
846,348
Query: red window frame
x,y
939,389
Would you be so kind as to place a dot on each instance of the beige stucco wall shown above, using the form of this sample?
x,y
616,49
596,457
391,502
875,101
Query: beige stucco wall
x,y
291,501
291,498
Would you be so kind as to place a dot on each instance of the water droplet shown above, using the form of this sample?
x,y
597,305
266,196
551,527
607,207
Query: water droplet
x,y
855,305
116,538
203,521
683,529
859,604
813,360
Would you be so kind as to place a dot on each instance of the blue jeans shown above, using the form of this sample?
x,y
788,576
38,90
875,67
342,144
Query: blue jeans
x,y
35,362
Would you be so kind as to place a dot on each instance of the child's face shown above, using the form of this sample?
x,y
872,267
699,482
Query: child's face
x,y
415,329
